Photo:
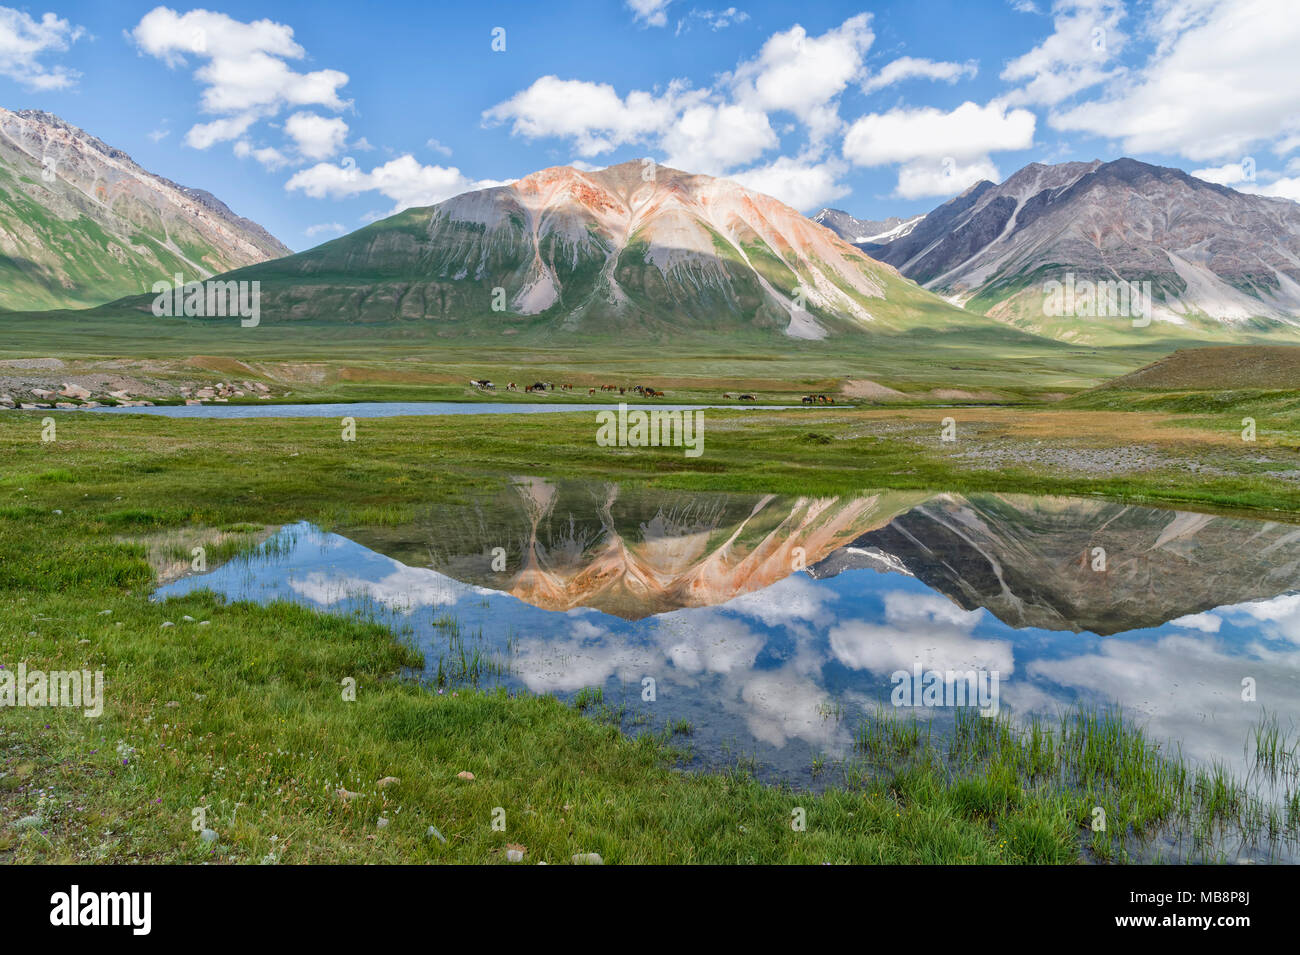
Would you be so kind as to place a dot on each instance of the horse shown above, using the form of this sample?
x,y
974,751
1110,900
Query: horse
x,y
748,398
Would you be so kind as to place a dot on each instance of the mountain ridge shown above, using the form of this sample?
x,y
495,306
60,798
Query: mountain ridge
x,y
81,223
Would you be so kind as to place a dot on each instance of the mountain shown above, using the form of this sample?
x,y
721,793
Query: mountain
x,y
1221,263
628,248
866,233
82,224
1030,561
630,552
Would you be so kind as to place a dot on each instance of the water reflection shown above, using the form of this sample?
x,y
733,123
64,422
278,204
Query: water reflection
x,y
771,624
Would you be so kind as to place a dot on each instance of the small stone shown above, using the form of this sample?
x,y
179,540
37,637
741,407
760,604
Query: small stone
x,y
388,781
433,831
104,613
465,774
171,704
515,853
208,835
168,623
345,795
205,623
383,822
187,618
588,858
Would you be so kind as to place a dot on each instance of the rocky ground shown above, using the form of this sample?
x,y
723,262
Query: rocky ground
x,y
35,383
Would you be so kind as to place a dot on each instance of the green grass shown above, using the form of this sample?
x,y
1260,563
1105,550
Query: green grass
x,y
245,717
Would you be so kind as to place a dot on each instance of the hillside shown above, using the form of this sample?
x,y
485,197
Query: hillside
x,y
602,253
1226,368
1222,264
82,224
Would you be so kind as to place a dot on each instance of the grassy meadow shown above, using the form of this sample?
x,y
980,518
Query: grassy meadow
x,y
239,709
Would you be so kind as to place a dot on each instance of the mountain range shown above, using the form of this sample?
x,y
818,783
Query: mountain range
x,y
1034,561
643,249
633,247
1221,263
82,224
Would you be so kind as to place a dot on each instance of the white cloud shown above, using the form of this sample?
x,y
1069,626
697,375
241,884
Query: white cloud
x,y
713,19
437,147
719,130
404,180
591,114
268,156
651,13
325,228
1074,57
203,135
1221,80
711,139
1228,174
1279,188
942,153
796,182
242,69
23,42
909,67
924,178
804,75
314,136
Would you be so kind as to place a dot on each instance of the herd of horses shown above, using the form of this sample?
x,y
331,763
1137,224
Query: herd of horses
x,y
645,391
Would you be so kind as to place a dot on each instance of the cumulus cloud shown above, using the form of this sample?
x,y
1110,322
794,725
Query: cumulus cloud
x,y
405,180
712,139
243,69
804,75
797,182
1086,38
1221,79
325,228
719,130
923,178
593,115
942,152
314,136
268,156
650,13
970,131
909,67
24,40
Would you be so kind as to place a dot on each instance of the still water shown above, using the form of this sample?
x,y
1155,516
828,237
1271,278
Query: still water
x,y
768,626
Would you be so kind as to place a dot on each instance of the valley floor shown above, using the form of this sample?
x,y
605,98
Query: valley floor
x,y
243,717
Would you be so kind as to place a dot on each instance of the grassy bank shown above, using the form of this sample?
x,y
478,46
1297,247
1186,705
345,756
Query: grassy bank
x,y
240,710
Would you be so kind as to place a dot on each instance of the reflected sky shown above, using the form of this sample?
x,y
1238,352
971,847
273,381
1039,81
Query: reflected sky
x,y
784,672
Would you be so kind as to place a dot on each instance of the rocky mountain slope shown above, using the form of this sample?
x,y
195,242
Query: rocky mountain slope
x,y
631,552
866,233
1032,561
82,224
1221,263
628,248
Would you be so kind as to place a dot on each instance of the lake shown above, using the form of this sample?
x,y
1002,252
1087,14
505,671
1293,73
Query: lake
x,y
391,409
762,630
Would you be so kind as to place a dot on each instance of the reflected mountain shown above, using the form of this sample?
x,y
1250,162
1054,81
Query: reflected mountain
x,y
1050,563
630,552
1076,564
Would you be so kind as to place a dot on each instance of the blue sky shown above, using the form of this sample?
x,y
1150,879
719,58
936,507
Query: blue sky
x,y
315,118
